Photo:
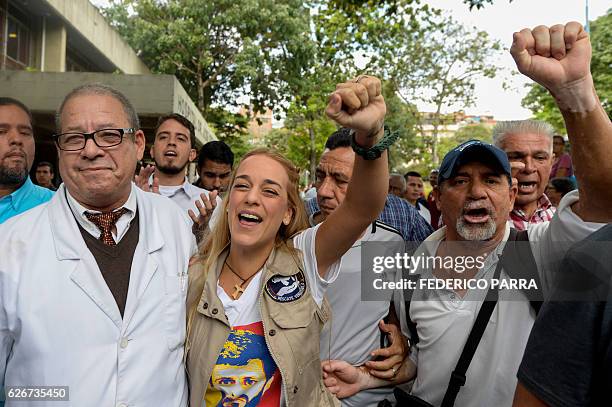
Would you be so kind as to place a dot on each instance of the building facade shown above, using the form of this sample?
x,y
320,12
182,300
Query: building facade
x,y
48,47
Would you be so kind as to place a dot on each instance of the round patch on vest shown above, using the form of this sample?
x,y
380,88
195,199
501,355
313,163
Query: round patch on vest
x,y
286,288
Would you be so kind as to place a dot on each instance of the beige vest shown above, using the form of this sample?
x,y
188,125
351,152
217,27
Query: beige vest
x,y
292,330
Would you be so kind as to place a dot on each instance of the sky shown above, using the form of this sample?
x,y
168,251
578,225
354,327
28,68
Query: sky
x,y
500,20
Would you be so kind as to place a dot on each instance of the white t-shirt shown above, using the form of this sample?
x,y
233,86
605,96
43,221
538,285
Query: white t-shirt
x,y
353,332
245,370
444,320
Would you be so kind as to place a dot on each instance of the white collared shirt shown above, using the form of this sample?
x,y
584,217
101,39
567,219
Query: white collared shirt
x,y
122,225
185,196
444,319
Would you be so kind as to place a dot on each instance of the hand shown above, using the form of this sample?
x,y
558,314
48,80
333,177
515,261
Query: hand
x,y
342,379
142,179
559,59
393,355
359,105
516,167
206,206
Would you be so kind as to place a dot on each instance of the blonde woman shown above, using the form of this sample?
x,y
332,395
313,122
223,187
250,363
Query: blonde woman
x,y
255,303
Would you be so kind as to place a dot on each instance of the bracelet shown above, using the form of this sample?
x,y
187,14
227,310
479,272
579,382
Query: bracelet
x,y
376,150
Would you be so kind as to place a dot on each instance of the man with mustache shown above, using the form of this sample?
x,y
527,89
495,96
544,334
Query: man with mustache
x,y
93,283
475,194
17,191
529,142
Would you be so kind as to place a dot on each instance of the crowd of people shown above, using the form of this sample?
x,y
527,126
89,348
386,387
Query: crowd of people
x,y
132,286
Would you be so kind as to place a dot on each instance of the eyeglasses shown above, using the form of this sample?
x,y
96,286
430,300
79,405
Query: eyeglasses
x,y
103,138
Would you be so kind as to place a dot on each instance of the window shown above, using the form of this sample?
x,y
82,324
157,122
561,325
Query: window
x,y
17,38
18,41
2,27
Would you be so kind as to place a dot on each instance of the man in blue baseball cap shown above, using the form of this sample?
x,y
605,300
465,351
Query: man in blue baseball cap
x,y
481,212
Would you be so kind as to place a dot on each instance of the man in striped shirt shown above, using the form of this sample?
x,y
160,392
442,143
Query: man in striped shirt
x,y
530,142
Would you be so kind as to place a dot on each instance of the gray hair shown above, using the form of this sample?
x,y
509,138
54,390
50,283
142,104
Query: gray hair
x,y
504,128
103,90
400,177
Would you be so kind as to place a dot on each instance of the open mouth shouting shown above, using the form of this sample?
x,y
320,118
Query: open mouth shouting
x,y
171,154
476,215
249,219
527,187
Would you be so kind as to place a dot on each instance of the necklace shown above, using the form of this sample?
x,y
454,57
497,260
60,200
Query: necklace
x,y
238,288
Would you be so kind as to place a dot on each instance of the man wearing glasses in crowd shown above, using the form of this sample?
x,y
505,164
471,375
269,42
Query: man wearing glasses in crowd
x,y
100,298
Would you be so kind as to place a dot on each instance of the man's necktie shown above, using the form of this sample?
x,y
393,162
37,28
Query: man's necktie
x,y
105,222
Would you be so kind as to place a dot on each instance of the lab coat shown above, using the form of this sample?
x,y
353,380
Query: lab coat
x,y
59,322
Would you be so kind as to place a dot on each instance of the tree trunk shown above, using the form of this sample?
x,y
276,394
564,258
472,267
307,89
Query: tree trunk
x,y
434,146
434,138
313,153
200,91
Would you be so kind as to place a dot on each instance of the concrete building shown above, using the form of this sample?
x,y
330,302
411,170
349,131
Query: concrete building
x,y
48,47
452,122
260,124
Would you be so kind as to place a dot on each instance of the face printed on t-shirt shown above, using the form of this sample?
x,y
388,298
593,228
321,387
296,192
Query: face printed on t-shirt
x,y
245,373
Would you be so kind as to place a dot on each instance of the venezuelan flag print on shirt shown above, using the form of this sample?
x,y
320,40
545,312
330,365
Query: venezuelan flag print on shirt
x,y
245,374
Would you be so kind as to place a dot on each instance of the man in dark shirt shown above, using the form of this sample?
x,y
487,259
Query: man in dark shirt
x,y
215,163
568,359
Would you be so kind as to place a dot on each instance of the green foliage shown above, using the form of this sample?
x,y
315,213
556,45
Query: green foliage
x,y
288,55
352,4
400,117
294,143
221,50
601,63
478,3
342,33
473,131
438,64
543,106
231,129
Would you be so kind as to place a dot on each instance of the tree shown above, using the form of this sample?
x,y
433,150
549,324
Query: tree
x,y
479,3
438,65
220,50
543,106
401,118
340,35
473,131
346,32
351,4
306,117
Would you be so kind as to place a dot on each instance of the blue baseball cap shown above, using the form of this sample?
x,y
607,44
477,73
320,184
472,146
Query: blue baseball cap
x,y
470,151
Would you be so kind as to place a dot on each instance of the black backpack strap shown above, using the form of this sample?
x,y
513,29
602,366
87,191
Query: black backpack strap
x,y
519,263
411,248
457,379
412,328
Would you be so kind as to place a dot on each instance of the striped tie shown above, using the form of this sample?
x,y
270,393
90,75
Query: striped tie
x,y
105,222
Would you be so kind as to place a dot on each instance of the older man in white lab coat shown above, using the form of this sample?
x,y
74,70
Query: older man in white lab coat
x,y
93,284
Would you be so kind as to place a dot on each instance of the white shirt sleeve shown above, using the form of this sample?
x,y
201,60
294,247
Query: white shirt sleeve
x,y
551,240
214,218
305,241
